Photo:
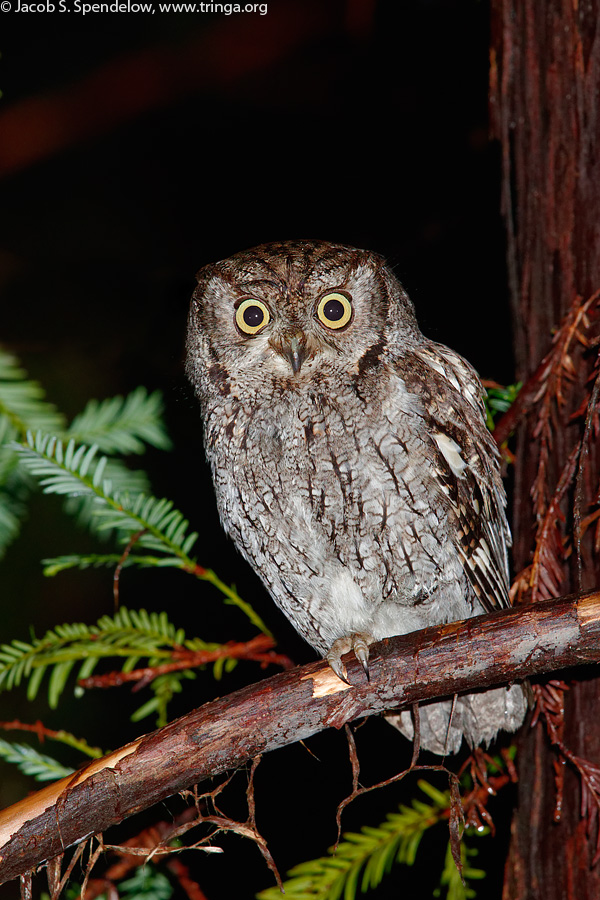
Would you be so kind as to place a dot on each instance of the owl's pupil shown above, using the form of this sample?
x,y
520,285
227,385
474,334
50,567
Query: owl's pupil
x,y
253,316
333,310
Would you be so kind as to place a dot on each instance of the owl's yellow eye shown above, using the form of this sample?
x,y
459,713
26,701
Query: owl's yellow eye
x,y
252,316
334,310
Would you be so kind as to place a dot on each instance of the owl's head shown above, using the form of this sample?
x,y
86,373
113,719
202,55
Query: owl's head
x,y
289,311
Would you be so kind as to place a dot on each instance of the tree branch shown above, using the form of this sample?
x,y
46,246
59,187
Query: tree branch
x,y
501,647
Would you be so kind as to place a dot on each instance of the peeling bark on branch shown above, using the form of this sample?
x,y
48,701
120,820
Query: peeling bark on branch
x,y
497,648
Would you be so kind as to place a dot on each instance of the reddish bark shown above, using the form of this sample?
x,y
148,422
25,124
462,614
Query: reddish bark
x,y
545,72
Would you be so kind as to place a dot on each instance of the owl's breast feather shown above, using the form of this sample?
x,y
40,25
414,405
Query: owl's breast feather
x,y
314,488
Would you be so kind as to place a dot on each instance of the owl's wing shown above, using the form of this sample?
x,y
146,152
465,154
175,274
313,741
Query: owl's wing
x,y
466,469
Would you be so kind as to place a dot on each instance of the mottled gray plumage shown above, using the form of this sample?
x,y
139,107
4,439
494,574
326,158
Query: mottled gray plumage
x,y
351,461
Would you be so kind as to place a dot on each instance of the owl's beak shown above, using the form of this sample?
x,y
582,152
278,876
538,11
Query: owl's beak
x,y
295,352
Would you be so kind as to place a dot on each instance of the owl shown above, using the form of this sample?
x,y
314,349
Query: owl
x,y
351,461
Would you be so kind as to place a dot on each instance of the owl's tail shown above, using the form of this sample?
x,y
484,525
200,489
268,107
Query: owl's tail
x,y
476,717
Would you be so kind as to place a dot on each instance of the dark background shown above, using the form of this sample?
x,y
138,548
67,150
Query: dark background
x,y
133,150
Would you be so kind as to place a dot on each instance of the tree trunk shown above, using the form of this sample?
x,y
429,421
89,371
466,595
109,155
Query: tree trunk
x,y
545,80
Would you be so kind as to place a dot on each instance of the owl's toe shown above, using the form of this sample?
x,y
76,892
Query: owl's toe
x,y
360,645
358,642
334,657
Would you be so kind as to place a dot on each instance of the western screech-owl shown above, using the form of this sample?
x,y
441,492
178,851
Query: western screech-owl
x,y
351,460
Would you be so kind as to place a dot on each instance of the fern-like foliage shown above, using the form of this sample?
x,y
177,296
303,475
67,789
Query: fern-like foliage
x,y
122,478
58,564
499,399
22,406
32,762
76,649
12,511
153,524
78,471
66,738
147,883
362,859
122,424
116,425
453,885
22,402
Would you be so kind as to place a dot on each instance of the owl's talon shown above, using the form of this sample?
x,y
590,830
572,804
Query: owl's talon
x,y
361,651
359,644
334,657
338,667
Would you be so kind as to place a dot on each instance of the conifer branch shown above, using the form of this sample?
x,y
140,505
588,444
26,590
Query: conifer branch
x,y
362,859
122,424
32,762
128,636
115,425
79,471
23,406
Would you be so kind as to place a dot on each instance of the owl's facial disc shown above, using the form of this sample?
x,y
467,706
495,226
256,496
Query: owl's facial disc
x,y
333,311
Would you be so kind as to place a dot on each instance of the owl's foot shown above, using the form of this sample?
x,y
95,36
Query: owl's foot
x,y
357,642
